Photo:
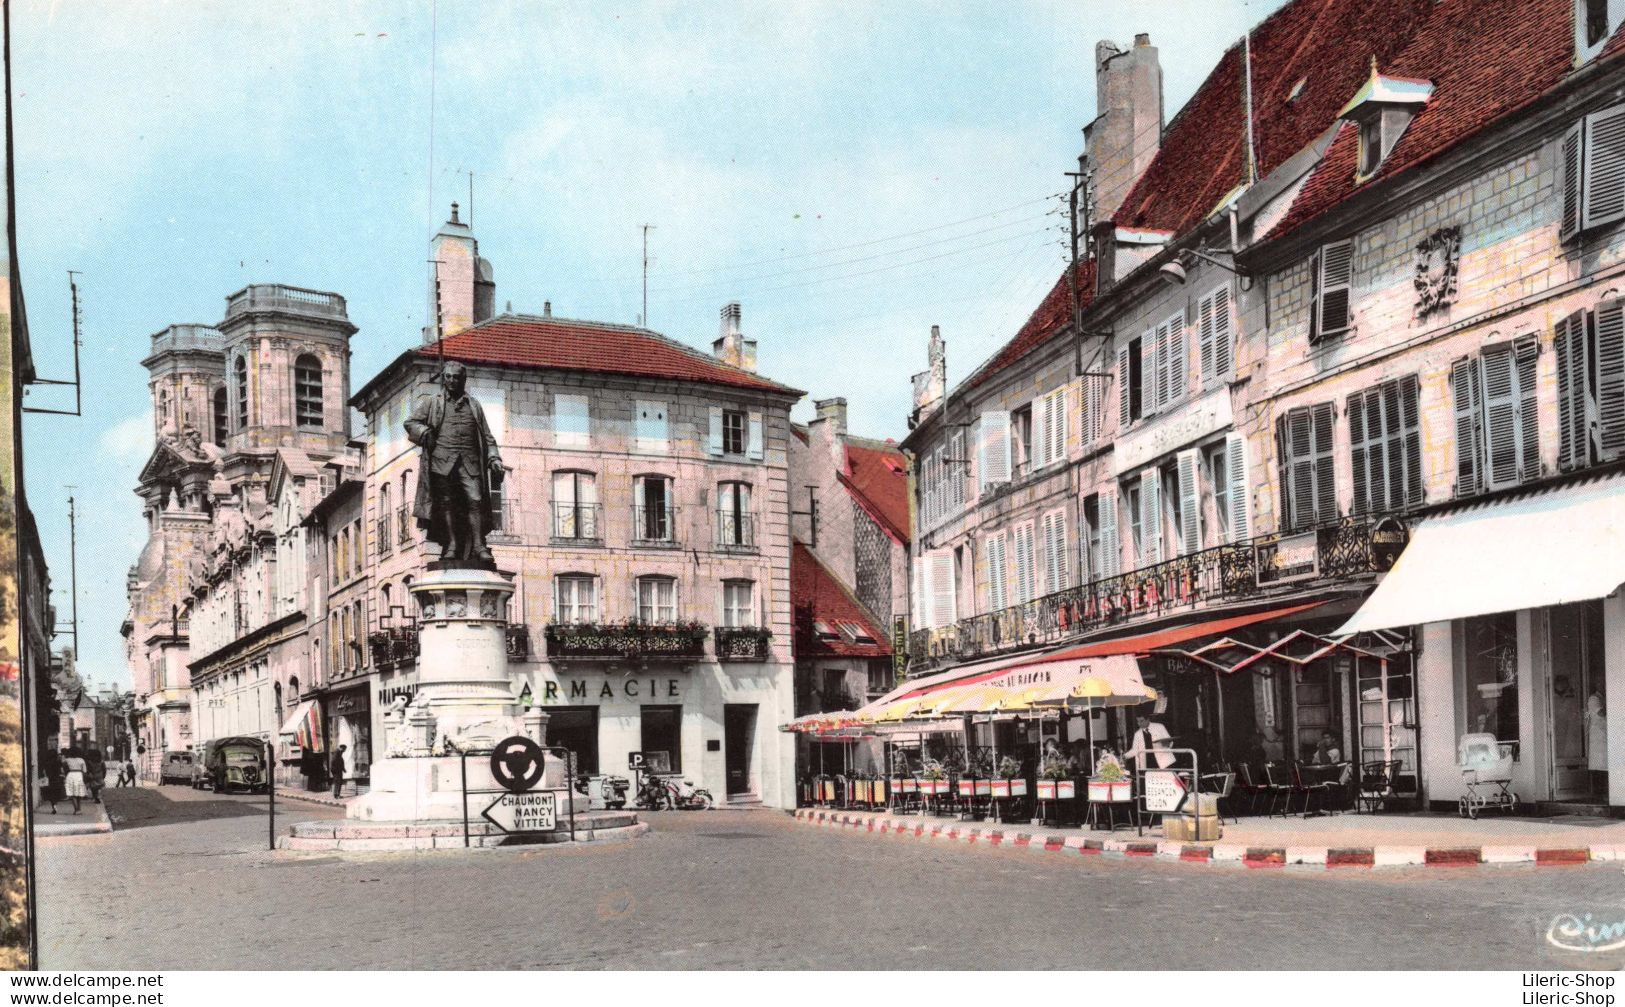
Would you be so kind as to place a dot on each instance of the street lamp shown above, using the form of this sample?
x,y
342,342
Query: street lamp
x,y
1173,271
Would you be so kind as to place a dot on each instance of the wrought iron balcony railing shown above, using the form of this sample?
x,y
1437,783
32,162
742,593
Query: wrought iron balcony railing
x,y
1340,550
736,531
654,525
403,526
393,647
577,522
742,643
518,641
625,639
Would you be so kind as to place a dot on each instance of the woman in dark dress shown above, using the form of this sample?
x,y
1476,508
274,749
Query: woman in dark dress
x,y
52,768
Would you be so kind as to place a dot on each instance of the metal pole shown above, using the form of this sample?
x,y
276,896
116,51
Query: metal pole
x,y
569,780
270,790
462,762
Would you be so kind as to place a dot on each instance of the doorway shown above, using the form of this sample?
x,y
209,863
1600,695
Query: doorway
x,y
1575,731
575,728
738,741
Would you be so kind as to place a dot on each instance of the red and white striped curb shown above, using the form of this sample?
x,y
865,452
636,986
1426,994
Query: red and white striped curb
x,y
910,827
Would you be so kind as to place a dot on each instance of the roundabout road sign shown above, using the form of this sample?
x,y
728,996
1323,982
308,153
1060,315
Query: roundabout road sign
x,y
516,763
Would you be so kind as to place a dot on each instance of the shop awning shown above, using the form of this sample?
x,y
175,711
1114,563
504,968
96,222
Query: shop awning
x,y
305,724
1546,547
1299,648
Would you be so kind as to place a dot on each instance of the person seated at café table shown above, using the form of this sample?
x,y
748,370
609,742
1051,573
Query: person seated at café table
x,y
1326,752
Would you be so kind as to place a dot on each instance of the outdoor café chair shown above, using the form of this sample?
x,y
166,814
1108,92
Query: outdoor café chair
x,y
1376,784
1317,784
1283,786
1218,786
1249,786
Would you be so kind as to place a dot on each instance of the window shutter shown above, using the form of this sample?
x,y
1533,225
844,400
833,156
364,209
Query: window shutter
x,y
754,449
1190,510
1159,367
1088,409
1151,517
1179,367
1298,428
1603,178
917,601
1387,454
1314,297
1573,399
940,573
1524,353
1336,273
1055,552
1148,373
1204,335
996,447
1569,172
1025,572
996,573
713,443
1123,377
1469,451
1610,331
1235,459
1357,451
1500,417
1039,437
1325,466
1058,420
1223,333
1411,435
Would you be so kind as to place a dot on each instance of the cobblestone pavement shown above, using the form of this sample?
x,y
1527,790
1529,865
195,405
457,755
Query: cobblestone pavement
x,y
194,887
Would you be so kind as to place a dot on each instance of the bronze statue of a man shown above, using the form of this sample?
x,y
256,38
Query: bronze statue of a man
x,y
460,467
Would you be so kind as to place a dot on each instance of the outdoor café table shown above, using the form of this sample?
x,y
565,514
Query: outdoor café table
x,y
1326,779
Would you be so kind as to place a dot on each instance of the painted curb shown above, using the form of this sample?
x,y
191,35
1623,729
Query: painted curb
x,y
1229,854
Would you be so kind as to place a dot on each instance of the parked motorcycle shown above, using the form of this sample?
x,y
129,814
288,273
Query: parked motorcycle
x,y
609,792
653,793
687,797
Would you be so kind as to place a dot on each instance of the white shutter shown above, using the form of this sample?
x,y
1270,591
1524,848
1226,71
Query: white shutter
x,y
997,573
1465,390
1574,402
1603,179
1111,551
996,447
1055,578
1235,460
1039,435
1190,510
1204,336
917,594
1179,367
1088,410
939,573
1500,417
1059,416
1570,180
754,447
1164,386
1224,337
1151,517
1148,373
1024,564
1122,389
713,444
1336,274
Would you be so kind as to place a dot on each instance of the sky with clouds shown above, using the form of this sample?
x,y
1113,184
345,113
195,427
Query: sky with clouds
x,y
852,173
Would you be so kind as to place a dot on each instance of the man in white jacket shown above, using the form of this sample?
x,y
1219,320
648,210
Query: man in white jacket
x,y
1150,740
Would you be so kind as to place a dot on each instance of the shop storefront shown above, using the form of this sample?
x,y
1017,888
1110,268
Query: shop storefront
x,y
348,716
1520,637
705,721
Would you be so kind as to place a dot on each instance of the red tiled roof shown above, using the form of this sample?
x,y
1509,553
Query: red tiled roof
x,y
599,347
878,478
1053,314
1484,63
1328,45
818,596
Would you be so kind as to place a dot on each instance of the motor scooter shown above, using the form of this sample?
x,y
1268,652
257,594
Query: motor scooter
x,y
687,797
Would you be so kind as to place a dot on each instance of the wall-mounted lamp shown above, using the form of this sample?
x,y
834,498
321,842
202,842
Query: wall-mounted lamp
x,y
1173,271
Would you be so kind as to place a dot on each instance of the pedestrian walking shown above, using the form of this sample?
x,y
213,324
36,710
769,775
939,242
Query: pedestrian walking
x,y
52,768
73,767
335,769
95,773
127,772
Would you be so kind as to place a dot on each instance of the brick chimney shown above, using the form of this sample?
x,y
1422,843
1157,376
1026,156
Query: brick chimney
x,y
833,412
462,290
731,346
931,384
1127,129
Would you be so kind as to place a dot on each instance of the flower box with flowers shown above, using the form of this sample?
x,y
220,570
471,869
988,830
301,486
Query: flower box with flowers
x,y
1057,790
1110,784
904,785
1010,788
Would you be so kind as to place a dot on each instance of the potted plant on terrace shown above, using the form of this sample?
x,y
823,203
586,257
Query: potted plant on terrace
x,y
1110,784
1009,781
1057,780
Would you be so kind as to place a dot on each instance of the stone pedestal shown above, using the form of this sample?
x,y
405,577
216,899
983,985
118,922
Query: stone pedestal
x,y
465,702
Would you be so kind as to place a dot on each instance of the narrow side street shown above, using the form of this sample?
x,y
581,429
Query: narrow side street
x,y
185,882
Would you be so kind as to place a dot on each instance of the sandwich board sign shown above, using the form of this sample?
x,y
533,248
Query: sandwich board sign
x,y
536,811
1164,790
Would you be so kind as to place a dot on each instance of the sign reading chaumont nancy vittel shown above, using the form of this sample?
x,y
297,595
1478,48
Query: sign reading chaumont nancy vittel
x,y
537,811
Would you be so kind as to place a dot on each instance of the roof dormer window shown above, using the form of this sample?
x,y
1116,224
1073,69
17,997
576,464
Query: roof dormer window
x,y
1382,109
1594,22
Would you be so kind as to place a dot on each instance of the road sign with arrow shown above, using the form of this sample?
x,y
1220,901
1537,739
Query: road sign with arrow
x,y
537,811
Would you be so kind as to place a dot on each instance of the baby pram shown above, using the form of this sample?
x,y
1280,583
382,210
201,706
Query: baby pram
x,y
1486,769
